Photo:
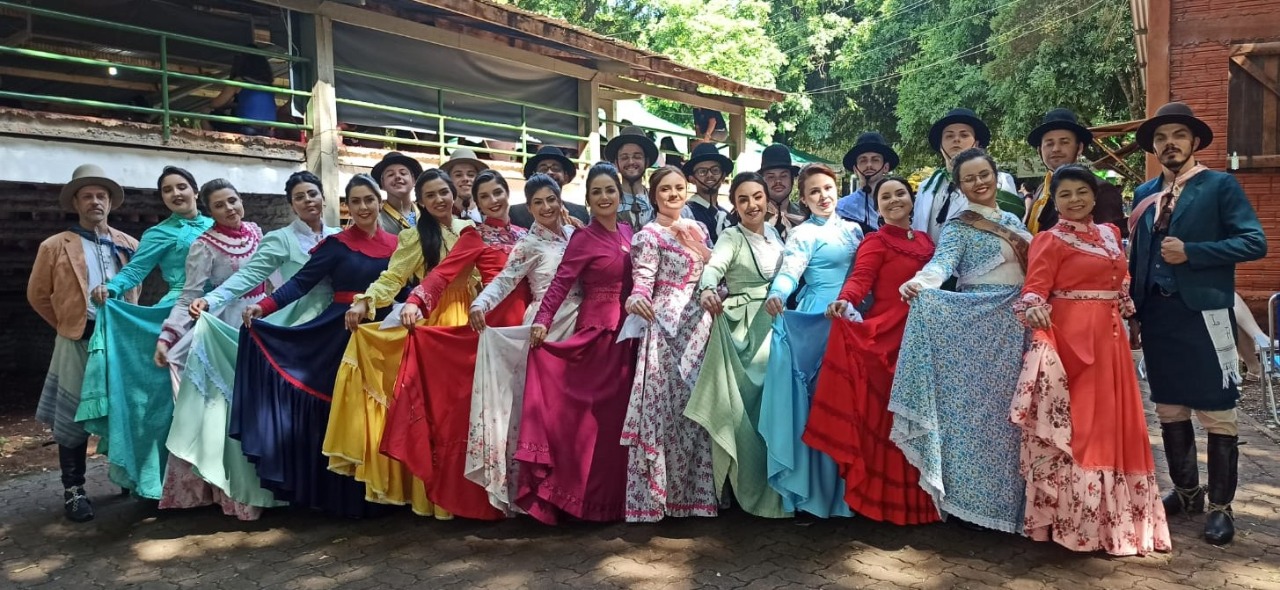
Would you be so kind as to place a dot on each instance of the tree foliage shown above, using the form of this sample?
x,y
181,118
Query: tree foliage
x,y
890,65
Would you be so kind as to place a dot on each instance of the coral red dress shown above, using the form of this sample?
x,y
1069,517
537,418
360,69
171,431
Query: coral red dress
x,y
850,418
1086,454
429,420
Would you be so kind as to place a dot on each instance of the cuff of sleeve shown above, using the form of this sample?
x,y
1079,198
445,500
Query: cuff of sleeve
x,y
371,309
168,336
1027,302
268,306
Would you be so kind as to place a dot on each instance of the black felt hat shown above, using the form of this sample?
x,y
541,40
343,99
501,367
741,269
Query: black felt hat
x,y
634,135
708,152
551,152
1174,112
873,142
777,156
960,115
1059,118
392,158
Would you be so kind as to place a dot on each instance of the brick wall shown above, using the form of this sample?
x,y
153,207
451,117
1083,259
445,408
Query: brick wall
x,y
28,215
1202,32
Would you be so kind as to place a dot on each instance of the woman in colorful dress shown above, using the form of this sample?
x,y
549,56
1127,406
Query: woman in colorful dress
x,y
285,375
428,423
726,397
128,398
668,456
501,362
215,256
850,419
570,461
282,253
366,380
820,251
1086,453
960,358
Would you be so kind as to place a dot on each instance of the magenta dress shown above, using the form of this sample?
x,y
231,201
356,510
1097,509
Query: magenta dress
x,y
576,390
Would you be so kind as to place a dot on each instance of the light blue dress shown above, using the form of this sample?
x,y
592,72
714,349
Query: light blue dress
x,y
821,251
127,400
957,371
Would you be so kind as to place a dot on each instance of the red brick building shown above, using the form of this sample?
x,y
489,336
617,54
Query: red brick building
x,y
1222,57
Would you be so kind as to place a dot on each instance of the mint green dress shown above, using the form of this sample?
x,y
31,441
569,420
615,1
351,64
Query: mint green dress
x,y
127,400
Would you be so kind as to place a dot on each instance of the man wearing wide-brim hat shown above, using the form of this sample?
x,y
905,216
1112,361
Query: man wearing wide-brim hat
x,y
550,160
871,158
939,199
1060,139
779,181
632,153
67,266
706,170
396,173
1191,227
463,167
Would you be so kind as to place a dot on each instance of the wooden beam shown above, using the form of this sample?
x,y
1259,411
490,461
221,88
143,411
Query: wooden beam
x,y
539,27
322,110
724,104
1158,88
609,94
588,96
1272,48
1226,26
1258,74
396,25
1261,161
737,135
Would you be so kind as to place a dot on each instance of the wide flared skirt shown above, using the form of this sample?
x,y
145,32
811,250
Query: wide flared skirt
x,y
957,371
726,402
805,478
497,397
126,399
575,400
279,415
669,470
850,422
1086,455
199,446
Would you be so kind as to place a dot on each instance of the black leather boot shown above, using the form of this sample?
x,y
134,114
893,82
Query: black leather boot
x,y
76,504
1224,455
1180,450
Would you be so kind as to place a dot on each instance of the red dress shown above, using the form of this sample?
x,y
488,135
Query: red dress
x,y
850,419
428,422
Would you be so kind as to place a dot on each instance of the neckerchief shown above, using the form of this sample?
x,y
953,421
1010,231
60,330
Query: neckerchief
x,y
1170,196
104,240
1018,243
688,234
1150,200
1033,216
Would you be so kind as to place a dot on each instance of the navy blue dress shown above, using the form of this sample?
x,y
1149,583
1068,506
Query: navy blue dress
x,y
285,376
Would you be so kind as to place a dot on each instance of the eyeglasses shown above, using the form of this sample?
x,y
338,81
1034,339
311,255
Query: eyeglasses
x,y
553,167
983,176
705,172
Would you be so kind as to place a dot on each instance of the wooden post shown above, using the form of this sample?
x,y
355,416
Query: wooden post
x,y
588,99
737,134
1158,65
322,145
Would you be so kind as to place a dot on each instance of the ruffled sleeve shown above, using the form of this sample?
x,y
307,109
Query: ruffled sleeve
x,y
1042,268
271,255
461,259
946,258
523,257
576,256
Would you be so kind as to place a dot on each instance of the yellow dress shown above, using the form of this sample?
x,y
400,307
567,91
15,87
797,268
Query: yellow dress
x,y
366,380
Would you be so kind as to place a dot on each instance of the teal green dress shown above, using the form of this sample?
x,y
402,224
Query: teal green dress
x,y
128,400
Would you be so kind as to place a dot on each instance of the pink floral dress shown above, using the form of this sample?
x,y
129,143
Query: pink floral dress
x,y
669,470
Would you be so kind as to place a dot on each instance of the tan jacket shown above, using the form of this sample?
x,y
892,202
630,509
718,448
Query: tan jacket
x,y
57,289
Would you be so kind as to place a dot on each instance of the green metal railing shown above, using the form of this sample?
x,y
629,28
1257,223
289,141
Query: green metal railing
x,y
165,111
437,119
440,118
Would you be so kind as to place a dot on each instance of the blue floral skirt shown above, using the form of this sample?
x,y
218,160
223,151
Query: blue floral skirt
x,y
957,372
